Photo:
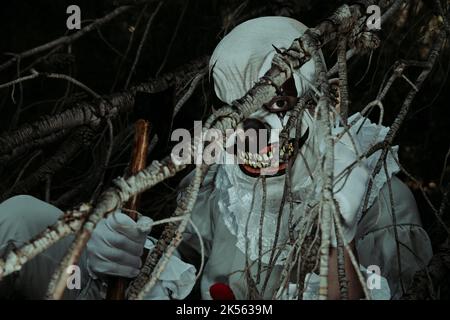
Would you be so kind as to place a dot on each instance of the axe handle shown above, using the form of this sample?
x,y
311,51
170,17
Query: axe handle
x,y
117,285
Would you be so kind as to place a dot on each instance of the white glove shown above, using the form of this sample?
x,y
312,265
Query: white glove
x,y
116,246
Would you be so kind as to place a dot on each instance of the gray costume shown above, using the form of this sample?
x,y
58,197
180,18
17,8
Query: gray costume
x,y
224,214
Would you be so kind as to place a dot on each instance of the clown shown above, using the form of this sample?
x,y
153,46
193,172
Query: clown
x,y
246,225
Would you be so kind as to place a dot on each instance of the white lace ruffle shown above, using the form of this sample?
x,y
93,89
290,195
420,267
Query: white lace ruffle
x,y
235,207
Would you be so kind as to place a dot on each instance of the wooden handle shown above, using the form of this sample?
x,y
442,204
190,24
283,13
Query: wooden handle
x,y
118,285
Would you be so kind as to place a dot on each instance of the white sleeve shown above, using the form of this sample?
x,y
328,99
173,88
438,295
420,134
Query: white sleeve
x,y
349,190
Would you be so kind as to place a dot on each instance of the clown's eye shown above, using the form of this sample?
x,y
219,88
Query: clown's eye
x,y
281,104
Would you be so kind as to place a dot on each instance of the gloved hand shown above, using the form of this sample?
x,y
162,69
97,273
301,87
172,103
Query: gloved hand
x,y
116,246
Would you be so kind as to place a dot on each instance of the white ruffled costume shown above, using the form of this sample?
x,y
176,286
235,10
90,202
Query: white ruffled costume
x,y
228,210
228,223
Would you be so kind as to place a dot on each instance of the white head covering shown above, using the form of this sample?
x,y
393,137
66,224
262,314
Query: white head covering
x,y
246,53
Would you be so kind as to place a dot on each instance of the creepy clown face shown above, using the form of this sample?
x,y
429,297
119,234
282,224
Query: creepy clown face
x,y
240,60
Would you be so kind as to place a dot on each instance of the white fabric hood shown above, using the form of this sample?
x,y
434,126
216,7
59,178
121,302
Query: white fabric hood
x,y
245,55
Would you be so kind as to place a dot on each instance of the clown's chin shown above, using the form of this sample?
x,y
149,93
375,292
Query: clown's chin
x,y
263,163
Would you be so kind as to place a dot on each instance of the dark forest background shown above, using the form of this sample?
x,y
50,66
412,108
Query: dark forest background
x,y
181,37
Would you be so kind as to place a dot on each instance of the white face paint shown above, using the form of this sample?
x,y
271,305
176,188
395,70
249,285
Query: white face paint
x,y
269,145
242,58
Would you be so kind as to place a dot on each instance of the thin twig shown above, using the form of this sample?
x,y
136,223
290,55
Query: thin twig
x,y
141,44
67,38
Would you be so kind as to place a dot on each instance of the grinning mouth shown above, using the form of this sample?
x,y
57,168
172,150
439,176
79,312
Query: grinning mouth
x,y
253,164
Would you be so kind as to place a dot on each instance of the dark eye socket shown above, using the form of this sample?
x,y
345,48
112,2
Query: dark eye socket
x,y
281,104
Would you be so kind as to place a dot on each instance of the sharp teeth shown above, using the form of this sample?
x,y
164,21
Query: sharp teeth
x,y
166,171
256,160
